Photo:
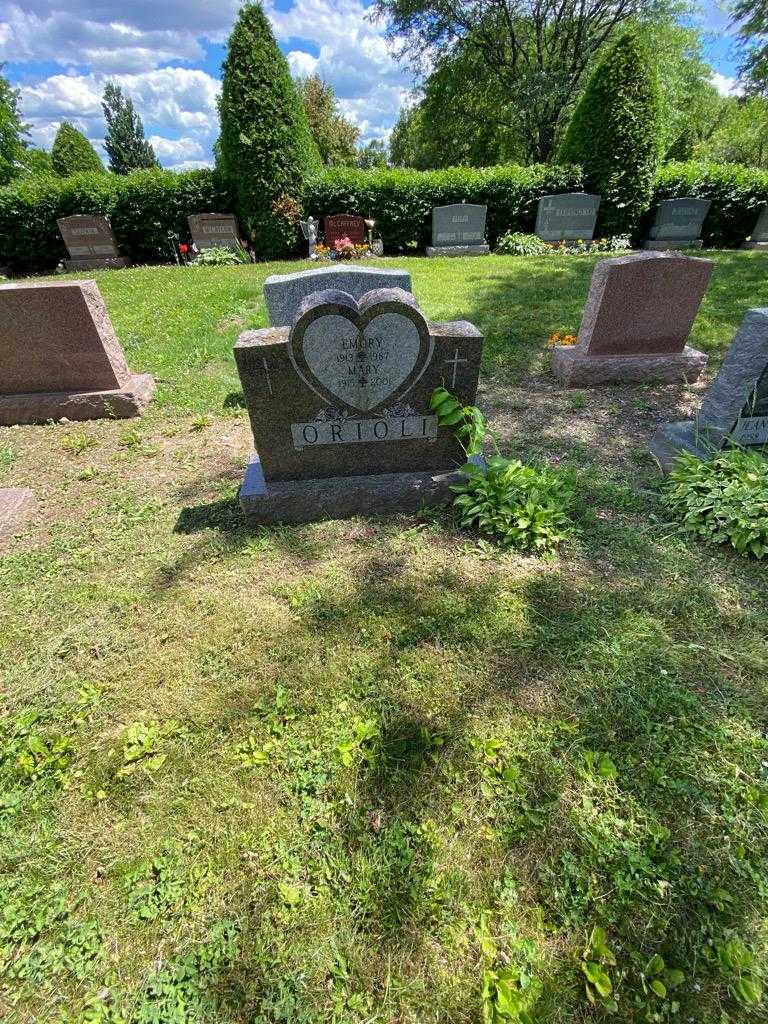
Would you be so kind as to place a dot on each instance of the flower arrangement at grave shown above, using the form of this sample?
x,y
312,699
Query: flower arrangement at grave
x,y
561,338
342,249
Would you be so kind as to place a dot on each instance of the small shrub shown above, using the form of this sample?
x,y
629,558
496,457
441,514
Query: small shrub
x,y
517,243
521,507
723,501
219,256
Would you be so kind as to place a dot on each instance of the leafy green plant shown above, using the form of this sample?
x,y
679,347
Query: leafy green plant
x,y
79,442
517,243
362,741
595,961
142,744
659,979
219,256
723,500
738,964
508,995
522,507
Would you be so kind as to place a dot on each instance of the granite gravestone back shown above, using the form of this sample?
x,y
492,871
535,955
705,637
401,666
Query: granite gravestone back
x,y
458,230
284,293
570,217
59,356
678,224
339,407
344,225
759,236
639,313
90,242
214,229
736,405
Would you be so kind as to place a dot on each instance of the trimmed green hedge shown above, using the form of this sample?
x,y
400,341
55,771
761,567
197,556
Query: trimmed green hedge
x,y
144,207
736,192
401,201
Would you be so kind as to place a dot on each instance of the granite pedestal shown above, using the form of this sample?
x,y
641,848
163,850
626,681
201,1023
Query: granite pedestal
x,y
667,244
458,250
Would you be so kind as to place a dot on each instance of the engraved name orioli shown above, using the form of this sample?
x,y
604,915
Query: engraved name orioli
x,y
354,431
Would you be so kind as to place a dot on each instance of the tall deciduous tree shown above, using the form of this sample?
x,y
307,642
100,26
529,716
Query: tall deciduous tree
x,y
265,149
12,131
126,146
616,133
537,51
72,153
751,19
372,155
335,137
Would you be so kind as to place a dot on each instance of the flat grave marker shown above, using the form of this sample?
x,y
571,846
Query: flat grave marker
x,y
339,407
17,506
637,319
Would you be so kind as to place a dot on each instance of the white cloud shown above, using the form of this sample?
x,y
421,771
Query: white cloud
x,y
301,64
169,100
726,85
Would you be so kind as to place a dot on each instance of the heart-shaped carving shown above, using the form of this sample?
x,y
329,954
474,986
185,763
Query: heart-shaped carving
x,y
361,354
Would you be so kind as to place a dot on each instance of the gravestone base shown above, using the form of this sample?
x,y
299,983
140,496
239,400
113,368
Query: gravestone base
x,y
41,406
575,368
304,501
672,439
754,245
17,505
665,244
458,250
95,263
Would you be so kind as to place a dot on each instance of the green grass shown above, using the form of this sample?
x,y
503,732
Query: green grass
x,y
368,771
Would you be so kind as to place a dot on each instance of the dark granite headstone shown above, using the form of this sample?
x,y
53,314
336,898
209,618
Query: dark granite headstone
x,y
344,225
214,229
90,242
639,313
678,224
570,217
759,236
59,356
343,395
458,230
736,405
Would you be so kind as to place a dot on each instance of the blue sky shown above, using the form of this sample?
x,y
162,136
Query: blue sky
x,y
168,57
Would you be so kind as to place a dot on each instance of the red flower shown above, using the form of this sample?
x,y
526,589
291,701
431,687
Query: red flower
x,y
184,249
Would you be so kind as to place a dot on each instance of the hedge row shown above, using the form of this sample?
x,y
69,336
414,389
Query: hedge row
x,y
143,207
401,201
147,206
737,193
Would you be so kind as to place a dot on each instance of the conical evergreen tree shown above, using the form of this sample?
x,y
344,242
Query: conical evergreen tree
x,y
265,149
125,144
72,153
616,134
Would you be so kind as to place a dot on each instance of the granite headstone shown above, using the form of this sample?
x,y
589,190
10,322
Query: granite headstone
x,y
344,225
759,236
570,217
639,313
60,357
211,230
678,224
339,407
284,293
735,407
458,230
90,242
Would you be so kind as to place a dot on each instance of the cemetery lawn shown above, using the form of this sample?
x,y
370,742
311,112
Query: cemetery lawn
x,y
376,771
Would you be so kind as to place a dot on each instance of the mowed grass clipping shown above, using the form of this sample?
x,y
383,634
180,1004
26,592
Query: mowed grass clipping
x,y
375,771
